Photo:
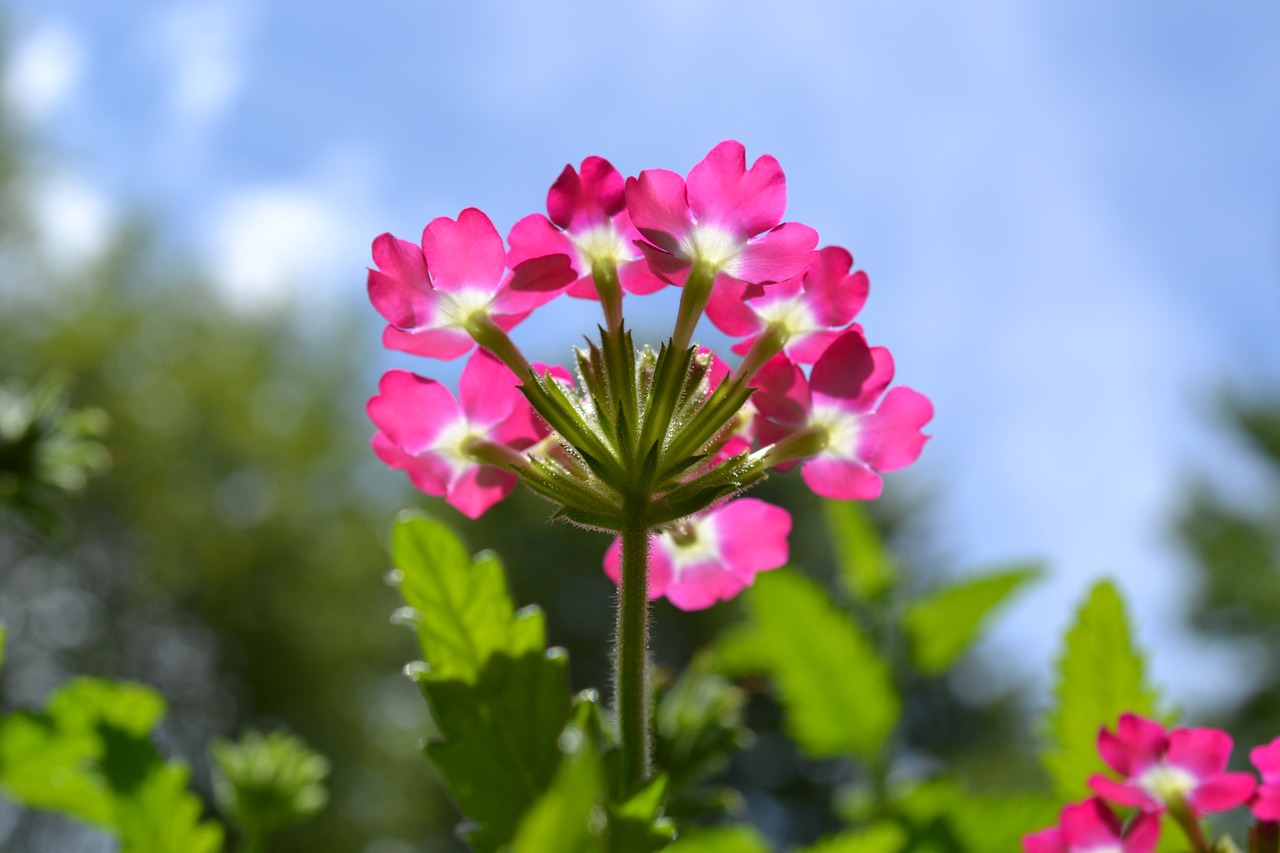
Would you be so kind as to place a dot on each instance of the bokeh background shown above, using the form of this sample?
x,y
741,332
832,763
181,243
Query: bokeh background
x,y
1069,215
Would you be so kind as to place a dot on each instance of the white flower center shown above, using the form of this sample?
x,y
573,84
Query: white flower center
x,y
451,444
1165,782
601,243
696,542
457,308
790,315
842,429
712,246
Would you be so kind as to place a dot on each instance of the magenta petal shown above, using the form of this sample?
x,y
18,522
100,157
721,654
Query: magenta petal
x,y
1204,752
666,266
1222,792
782,393
399,304
890,438
480,487
535,237
428,474
776,255
843,372
1267,759
1266,803
1143,835
1122,794
729,310
464,255
444,344
659,208
1045,841
636,277
842,479
412,410
533,283
807,349
1089,824
1145,739
402,260
588,197
833,293
487,390
702,584
725,193
752,535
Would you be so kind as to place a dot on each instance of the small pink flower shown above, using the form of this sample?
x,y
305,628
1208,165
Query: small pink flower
x,y
807,311
1159,767
430,295
424,432
1091,827
726,217
840,408
1266,801
714,556
588,223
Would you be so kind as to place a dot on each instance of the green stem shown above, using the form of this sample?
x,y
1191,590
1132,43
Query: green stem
x,y
766,347
486,333
604,273
693,301
631,666
1182,814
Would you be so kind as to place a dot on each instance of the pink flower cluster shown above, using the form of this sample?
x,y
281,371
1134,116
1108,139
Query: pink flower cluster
x,y
821,397
1180,772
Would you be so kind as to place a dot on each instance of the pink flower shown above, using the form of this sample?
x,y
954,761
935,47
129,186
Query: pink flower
x,y
588,223
442,445
1160,769
434,295
1090,827
838,419
1266,801
805,312
725,217
714,556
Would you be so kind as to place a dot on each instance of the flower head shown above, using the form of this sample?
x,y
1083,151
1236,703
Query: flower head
x,y
449,447
1091,827
433,297
1162,769
838,419
725,218
1266,800
714,556
589,224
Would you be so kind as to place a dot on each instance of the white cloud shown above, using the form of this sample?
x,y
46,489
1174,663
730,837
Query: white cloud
x,y
73,219
204,46
45,70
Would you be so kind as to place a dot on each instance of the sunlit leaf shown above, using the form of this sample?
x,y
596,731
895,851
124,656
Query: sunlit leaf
x,y
944,624
1100,676
724,839
570,816
865,567
837,692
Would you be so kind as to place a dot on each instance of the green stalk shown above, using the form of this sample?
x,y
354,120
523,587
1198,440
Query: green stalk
x,y
631,666
693,301
1190,825
604,274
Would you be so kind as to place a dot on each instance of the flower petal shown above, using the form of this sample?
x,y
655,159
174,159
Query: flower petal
x,y
841,479
466,254
776,255
444,344
1122,794
1045,841
1089,824
725,193
487,390
412,410
535,237
659,208
890,438
478,488
1204,752
586,197
1223,792
752,535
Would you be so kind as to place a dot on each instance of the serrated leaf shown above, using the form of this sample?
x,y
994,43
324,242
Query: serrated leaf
x,y
837,692
881,838
866,570
1100,676
570,816
463,613
499,751
944,624
724,839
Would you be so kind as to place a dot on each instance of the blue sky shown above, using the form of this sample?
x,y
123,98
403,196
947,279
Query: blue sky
x,y
1069,213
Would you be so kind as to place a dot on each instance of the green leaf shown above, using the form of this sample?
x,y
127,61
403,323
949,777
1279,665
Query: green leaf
x,y
460,609
724,839
499,749
89,756
837,692
570,816
637,825
942,808
866,570
1100,678
943,625
264,782
881,838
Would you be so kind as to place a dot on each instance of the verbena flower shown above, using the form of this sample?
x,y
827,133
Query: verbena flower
x,y
714,556
1091,827
1162,769
837,421
451,448
724,217
1266,800
801,315
436,298
589,224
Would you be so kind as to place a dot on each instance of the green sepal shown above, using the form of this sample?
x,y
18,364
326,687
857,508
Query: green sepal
x,y
548,398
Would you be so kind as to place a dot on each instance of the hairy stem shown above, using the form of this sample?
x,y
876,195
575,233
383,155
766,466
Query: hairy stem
x,y
631,666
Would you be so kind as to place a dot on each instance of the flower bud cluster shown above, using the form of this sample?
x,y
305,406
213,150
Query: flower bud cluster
x,y
665,438
1180,773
